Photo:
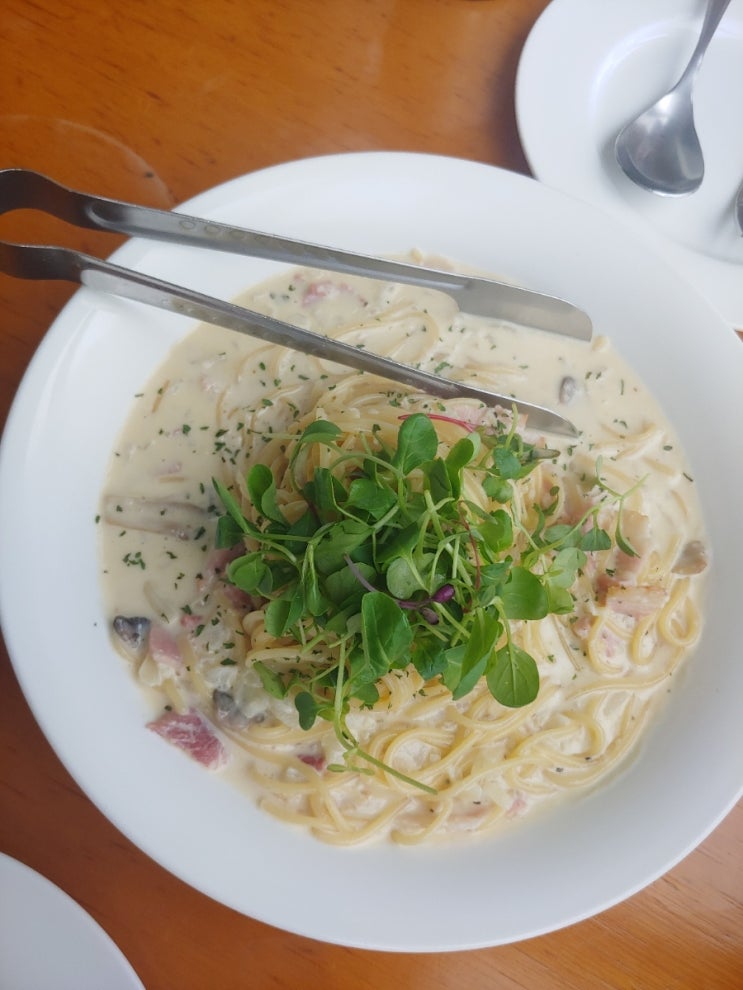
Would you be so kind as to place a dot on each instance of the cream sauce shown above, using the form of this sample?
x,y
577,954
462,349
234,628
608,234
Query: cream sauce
x,y
190,423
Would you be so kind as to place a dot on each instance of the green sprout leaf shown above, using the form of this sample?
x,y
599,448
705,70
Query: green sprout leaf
x,y
417,442
513,677
271,681
367,495
385,633
307,708
385,564
523,596
251,574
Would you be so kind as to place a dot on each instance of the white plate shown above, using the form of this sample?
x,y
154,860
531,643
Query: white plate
x,y
587,69
547,873
47,940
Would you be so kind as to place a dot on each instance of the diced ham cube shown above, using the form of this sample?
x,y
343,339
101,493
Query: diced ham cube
x,y
314,759
320,290
214,572
328,289
193,734
190,621
164,648
518,806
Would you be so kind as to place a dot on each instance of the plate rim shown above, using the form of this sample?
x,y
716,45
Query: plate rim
x,y
17,876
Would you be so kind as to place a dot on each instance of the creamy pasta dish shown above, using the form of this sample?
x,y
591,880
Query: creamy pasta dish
x,y
392,616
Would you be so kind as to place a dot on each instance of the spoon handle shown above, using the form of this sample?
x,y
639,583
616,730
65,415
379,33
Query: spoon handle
x,y
712,18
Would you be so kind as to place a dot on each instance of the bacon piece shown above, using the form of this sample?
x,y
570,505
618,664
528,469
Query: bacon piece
x,y
319,290
240,600
217,561
313,758
608,644
637,601
190,621
582,626
214,572
191,733
164,648
518,806
328,289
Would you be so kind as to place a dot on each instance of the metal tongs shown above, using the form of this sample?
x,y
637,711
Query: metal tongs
x,y
23,189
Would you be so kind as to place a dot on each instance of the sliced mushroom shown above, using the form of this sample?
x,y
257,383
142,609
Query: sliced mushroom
x,y
132,633
228,711
569,388
693,559
180,519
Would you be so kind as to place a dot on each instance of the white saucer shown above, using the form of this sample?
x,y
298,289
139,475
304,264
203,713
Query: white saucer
x,y
48,940
586,69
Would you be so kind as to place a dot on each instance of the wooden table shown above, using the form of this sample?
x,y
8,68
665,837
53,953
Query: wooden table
x,y
156,102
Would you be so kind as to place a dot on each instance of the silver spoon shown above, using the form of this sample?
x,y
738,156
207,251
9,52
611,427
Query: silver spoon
x,y
660,150
739,208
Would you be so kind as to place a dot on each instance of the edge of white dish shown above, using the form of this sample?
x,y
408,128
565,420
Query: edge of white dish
x,y
550,872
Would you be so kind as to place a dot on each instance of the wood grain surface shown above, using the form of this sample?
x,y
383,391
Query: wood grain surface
x,y
156,102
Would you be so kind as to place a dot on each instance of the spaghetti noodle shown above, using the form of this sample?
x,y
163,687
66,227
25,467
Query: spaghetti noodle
x,y
223,404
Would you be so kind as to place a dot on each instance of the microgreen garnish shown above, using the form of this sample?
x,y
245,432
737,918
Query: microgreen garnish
x,y
622,542
388,562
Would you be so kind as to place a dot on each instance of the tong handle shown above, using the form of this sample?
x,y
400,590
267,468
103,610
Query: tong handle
x,y
41,262
25,189
21,188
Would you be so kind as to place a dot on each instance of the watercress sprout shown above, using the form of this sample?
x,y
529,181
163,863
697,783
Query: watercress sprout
x,y
389,564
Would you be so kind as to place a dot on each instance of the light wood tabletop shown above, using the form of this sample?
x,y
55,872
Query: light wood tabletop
x,y
155,102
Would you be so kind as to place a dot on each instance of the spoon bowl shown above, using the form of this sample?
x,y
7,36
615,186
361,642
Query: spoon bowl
x,y
660,149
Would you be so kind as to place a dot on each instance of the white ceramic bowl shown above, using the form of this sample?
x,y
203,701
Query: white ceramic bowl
x,y
551,871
